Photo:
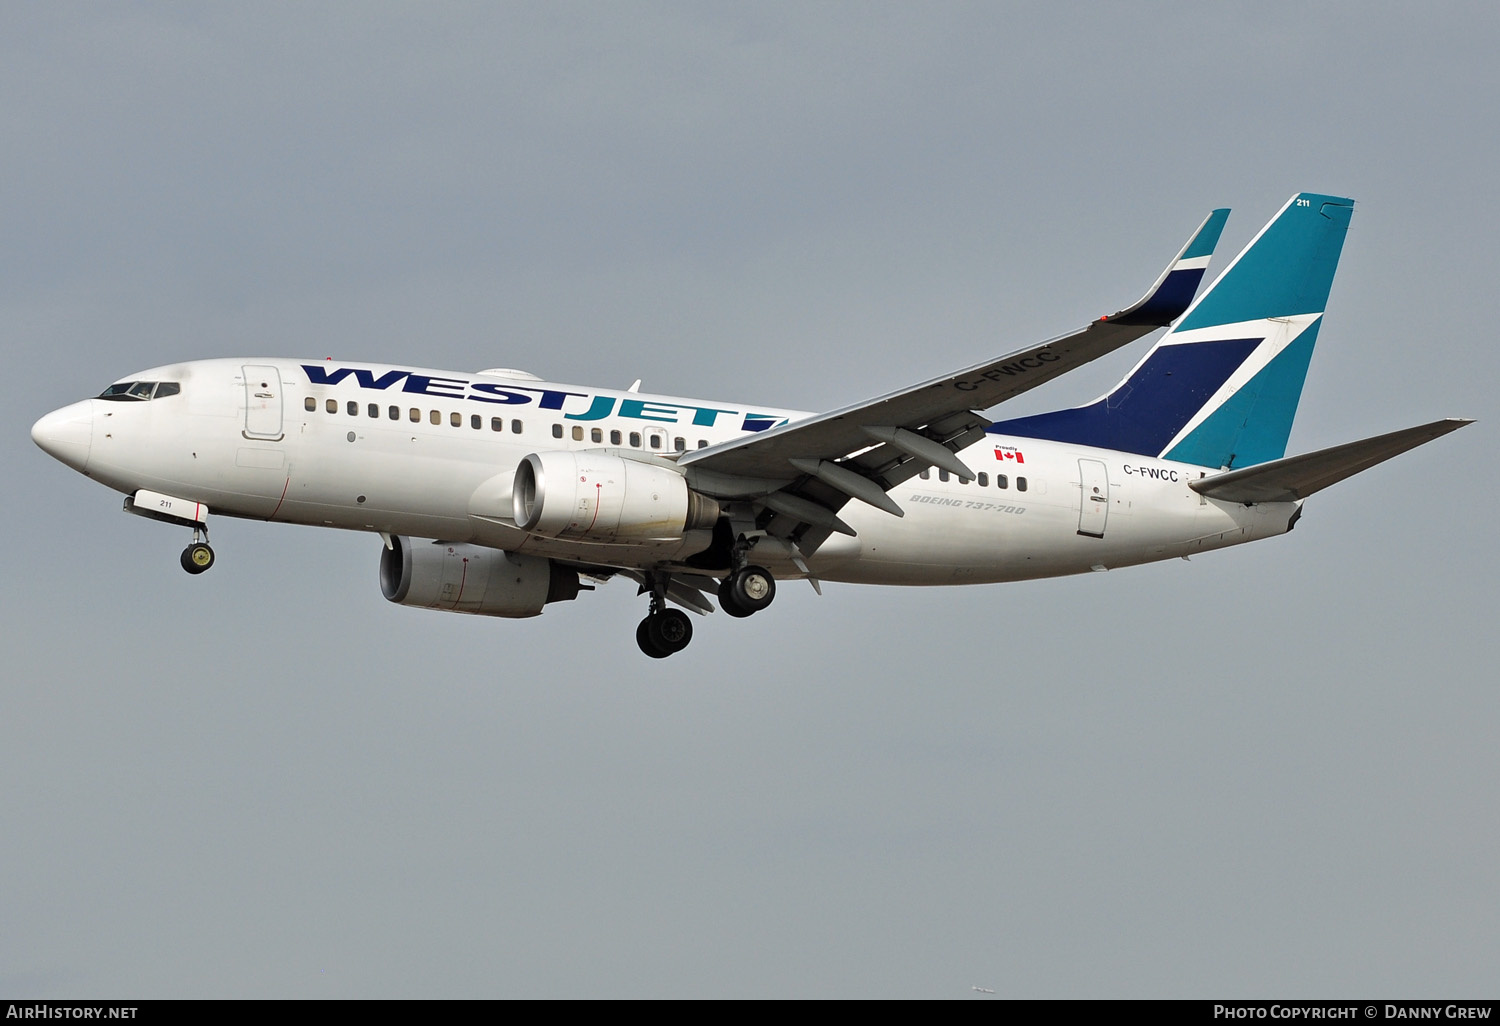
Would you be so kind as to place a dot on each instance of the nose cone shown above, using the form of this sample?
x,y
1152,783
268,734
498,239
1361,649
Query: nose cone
x,y
67,434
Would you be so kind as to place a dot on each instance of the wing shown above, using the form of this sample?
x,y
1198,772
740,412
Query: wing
x,y
806,470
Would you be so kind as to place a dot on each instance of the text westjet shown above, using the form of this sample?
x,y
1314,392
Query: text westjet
x,y
572,405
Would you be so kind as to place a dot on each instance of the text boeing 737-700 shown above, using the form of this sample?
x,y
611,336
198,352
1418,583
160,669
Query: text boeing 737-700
x,y
531,488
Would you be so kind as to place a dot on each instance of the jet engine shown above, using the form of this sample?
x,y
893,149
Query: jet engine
x,y
472,579
592,496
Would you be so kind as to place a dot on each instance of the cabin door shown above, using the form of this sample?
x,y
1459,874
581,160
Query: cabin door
x,y
1093,484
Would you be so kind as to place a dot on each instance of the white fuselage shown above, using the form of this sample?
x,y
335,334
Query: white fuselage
x,y
433,454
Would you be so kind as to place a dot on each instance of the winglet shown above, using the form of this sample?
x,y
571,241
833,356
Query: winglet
x,y
1173,292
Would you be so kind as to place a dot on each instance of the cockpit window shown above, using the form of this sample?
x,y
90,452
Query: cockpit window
x,y
140,391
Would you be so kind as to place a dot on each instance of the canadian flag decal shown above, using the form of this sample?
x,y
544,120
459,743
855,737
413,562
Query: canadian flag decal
x,y
1005,452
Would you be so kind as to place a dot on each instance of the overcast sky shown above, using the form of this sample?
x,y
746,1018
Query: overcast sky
x,y
1270,771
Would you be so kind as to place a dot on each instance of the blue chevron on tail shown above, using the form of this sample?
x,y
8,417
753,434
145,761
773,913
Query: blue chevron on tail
x,y
1221,388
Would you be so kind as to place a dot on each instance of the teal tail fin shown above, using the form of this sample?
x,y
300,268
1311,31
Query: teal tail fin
x,y
1222,387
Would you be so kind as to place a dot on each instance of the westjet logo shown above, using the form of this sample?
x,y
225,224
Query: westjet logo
x,y
572,405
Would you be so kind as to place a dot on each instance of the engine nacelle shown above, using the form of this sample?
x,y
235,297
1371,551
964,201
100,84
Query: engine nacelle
x,y
472,579
592,496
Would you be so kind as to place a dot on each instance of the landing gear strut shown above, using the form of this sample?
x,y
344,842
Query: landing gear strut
x,y
748,590
198,557
664,630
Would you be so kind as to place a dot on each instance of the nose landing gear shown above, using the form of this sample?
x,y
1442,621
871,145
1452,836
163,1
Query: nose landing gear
x,y
170,509
198,557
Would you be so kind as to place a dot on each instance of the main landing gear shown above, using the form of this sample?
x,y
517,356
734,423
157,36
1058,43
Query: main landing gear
x,y
198,557
748,590
665,630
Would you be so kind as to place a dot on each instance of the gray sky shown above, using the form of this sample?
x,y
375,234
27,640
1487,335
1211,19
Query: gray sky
x,y
1271,771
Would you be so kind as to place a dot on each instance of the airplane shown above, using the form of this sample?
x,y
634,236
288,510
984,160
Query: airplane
x,y
496,492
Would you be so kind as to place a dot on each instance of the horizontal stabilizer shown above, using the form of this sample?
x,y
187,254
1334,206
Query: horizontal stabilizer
x,y
1297,477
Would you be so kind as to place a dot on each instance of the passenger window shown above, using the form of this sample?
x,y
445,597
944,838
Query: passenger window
x,y
476,422
310,404
515,427
435,416
680,444
556,430
635,439
655,440
925,475
415,415
614,438
577,433
394,412
332,405
596,435
374,411
352,407
456,419
942,475
963,480
497,423
984,479
703,443
1001,481
1020,484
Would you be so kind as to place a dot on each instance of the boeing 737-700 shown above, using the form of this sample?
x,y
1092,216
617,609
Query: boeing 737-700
x,y
496,492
